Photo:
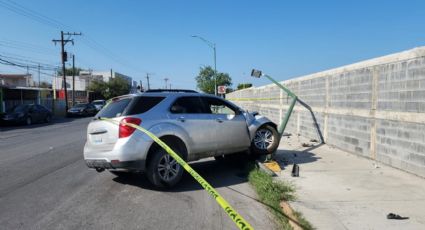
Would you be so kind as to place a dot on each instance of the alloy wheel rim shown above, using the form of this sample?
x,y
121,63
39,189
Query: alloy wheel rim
x,y
168,168
263,138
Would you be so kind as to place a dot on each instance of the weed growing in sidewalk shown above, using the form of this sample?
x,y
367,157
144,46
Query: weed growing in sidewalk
x,y
271,193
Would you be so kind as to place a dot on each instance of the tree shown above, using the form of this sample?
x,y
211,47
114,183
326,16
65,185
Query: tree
x,y
118,86
68,71
205,79
244,86
98,86
115,87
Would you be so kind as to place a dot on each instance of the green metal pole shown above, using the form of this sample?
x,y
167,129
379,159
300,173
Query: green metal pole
x,y
289,92
285,119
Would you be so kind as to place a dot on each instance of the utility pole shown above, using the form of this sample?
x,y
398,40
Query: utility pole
x,y
73,79
147,77
165,79
141,86
38,75
39,92
64,59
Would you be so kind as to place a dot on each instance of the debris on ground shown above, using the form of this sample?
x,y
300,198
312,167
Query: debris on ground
x,y
273,165
314,140
375,165
396,217
306,145
295,171
287,134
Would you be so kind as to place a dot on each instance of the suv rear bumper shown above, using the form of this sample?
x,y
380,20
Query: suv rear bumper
x,y
137,165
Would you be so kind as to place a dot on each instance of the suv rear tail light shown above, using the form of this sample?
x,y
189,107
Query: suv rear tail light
x,y
126,131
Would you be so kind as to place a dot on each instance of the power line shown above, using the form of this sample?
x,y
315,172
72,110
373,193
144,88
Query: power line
x,y
25,46
19,9
25,65
87,40
29,62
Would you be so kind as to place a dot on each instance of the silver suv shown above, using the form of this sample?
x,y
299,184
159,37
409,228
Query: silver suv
x,y
194,125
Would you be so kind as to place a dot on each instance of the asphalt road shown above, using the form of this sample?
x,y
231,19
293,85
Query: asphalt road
x,y
44,184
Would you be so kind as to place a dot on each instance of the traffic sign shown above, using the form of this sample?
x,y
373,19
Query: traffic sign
x,y
221,89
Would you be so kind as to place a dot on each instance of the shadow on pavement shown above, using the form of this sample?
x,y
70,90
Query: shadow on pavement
x,y
218,174
288,157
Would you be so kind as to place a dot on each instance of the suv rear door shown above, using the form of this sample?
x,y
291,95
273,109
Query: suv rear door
x,y
102,135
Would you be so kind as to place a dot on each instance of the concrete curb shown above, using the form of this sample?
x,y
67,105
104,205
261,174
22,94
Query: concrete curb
x,y
263,168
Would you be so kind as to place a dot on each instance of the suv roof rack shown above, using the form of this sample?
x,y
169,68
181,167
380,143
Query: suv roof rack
x,y
170,91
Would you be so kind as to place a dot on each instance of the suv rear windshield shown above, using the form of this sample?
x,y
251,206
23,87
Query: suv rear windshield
x,y
129,106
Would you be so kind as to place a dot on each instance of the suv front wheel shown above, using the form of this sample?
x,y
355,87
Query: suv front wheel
x,y
163,170
266,140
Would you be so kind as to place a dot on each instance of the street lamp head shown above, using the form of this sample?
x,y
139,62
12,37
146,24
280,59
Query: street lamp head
x,y
256,73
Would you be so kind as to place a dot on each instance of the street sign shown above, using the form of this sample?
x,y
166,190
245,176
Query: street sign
x,y
221,89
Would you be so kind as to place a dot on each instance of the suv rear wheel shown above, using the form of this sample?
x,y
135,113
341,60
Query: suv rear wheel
x,y
162,170
266,140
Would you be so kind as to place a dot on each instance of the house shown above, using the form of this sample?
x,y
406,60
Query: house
x,y
16,89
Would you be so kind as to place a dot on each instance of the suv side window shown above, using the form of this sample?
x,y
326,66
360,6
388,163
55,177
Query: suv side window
x,y
143,104
217,106
188,105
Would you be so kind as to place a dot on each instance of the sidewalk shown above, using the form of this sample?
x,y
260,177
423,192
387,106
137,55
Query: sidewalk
x,y
339,190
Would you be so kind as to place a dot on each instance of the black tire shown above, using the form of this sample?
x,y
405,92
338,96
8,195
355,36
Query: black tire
x,y
157,170
28,121
266,140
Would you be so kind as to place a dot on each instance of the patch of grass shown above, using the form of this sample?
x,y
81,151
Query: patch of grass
x,y
271,193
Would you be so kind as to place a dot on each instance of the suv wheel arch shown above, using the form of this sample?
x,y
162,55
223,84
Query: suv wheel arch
x,y
173,142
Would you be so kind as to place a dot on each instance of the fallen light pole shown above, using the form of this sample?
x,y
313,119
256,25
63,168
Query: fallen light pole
x,y
285,119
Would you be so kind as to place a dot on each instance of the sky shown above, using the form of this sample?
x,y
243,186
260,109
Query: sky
x,y
285,39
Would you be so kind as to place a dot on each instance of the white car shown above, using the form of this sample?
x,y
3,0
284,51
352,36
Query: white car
x,y
98,104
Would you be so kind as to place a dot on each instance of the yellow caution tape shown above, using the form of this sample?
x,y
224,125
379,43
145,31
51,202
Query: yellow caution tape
x,y
255,99
237,219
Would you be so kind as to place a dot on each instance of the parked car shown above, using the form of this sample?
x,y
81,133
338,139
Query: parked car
x,y
195,125
99,104
27,114
83,109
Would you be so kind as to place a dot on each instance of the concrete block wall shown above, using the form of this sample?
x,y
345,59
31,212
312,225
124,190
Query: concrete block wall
x,y
374,108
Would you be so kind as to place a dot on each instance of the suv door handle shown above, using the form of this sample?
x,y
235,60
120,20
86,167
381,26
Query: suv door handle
x,y
182,119
219,120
